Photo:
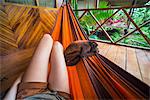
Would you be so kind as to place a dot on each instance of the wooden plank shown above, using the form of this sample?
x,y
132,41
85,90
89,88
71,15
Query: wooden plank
x,y
7,42
100,46
22,28
144,65
17,15
45,28
103,50
11,12
3,24
33,35
121,57
4,21
106,49
48,18
28,34
37,39
132,63
23,18
147,54
6,31
17,57
8,38
3,14
5,51
111,54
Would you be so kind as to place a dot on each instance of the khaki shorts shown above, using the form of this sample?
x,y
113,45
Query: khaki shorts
x,y
33,90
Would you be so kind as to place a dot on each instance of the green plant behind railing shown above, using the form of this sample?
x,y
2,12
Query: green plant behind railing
x,y
102,14
99,14
75,6
87,20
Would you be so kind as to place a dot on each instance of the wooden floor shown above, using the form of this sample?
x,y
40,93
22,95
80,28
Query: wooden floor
x,y
134,61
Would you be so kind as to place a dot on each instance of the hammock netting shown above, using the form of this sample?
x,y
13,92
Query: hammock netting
x,y
94,77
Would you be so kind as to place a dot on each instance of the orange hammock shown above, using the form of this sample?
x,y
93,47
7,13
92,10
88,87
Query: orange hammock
x,y
94,77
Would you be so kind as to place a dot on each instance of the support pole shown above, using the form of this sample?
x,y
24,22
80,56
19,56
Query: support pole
x,y
36,2
112,8
96,3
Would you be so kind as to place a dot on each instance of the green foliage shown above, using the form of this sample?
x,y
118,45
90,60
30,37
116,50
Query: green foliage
x,y
103,14
136,40
115,36
75,6
139,16
87,20
100,15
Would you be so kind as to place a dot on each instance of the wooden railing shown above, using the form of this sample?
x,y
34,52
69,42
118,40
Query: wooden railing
x,y
100,25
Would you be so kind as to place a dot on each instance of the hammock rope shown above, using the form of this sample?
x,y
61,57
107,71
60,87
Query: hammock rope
x,y
94,77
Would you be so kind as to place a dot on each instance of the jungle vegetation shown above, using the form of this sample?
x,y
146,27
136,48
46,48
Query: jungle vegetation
x,y
118,25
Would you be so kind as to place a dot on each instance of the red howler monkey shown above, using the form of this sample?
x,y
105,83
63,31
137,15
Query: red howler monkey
x,y
79,49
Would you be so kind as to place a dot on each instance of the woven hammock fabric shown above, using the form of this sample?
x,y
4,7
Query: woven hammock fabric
x,y
94,77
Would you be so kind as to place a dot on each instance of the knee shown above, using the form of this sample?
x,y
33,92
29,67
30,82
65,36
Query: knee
x,y
58,45
48,38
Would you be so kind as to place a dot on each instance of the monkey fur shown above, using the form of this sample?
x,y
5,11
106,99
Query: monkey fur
x,y
79,49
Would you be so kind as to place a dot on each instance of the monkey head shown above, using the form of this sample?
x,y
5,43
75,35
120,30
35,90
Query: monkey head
x,y
93,46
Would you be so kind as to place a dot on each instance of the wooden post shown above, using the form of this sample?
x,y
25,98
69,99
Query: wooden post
x,y
148,41
36,2
96,3
101,27
55,3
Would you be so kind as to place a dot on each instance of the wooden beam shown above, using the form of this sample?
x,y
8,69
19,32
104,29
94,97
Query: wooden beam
x,y
101,27
125,7
36,2
82,15
144,36
121,44
96,3
131,12
55,3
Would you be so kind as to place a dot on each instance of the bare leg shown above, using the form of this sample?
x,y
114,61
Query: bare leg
x,y
58,78
38,68
11,95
